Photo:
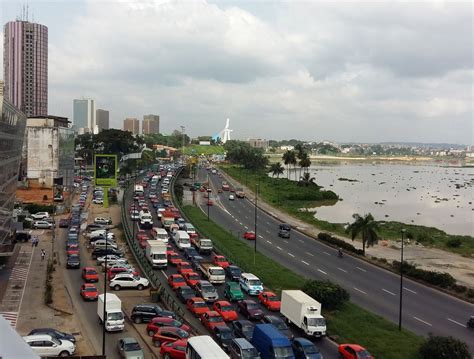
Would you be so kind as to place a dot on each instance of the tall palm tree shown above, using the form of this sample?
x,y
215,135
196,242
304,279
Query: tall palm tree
x,y
287,160
276,169
306,180
367,227
305,161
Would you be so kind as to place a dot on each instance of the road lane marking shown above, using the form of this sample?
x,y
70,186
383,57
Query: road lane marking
x,y
312,255
420,320
268,232
285,241
389,292
343,270
361,269
246,227
260,236
269,241
301,241
326,253
164,273
305,263
412,291
279,248
291,255
319,270
359,290
241,223
455,322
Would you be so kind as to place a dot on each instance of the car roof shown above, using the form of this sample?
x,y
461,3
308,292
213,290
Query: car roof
x,y
303,341
273,318
243,343
38,337
249,276
356,347
129,340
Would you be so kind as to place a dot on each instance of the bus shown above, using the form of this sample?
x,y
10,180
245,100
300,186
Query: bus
x,y
139,190
204,347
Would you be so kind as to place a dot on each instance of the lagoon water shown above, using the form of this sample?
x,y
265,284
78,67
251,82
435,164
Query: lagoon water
x,y
429,195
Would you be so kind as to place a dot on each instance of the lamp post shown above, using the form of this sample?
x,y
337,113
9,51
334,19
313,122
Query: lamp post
x,y
401,283
208,196
182,146
104,317
255,243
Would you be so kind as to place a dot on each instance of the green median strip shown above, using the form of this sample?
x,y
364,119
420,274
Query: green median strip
x,y
349,324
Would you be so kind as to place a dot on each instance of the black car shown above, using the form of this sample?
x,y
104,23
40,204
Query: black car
x,y
280,324
243,329
94,227
190,252
195,262
250,309
285,227
233,273
184,293
54,333
283,233
73,262
100,252
144,313
223,336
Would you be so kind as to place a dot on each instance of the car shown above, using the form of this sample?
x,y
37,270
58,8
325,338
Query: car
x,y
89,274
270,301
173,258
112,272
159,322
174,350
184,267
40,215
111,259
250,284
233,292
47,346
280,324
226,310
100,252
196,261
211,319
284,227
197,306
63,223
249,235
353,351
233,273
102,220
128,280
130,348
94,226
220,261
180,222
135,215
243,329
98,200
184,293
168,334
209,202
231,197
143,235
223,335
54,333
191,278
89,291
72,248
305,349
175,281
206,291
249,309
190,252
73,262
42,224
283,233
144,313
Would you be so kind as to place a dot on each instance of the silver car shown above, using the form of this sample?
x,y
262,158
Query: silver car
x,y
129,348
42,224
207,291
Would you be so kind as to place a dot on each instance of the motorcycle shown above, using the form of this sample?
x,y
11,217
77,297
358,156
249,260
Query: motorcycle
x,y
340,254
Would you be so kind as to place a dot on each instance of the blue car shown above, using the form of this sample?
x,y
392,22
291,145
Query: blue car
x,y
304,349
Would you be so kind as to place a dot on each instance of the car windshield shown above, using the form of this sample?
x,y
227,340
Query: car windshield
x,y
193,277
90,289
129,347
249,353
272,298
184,241
280,325
178,279
182,333
255,282
315,322
251,306
176,323
200,305
187,291
283,352
235,270
226,334
310,349
215,319
216,271
226,308
56,341
363,354
91,271
115,316
159,256
208,289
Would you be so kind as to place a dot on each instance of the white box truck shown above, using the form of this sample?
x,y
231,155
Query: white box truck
x,y
155,252
113,317
214,274
181,239
303,311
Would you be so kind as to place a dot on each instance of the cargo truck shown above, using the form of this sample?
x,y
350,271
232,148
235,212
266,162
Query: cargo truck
x,y
155,252
113,317
167,221
303,311
203,245
213,273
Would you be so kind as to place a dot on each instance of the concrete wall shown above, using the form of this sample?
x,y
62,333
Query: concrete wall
x,y
43,154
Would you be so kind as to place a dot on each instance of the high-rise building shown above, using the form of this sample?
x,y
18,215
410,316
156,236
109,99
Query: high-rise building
x,y
25,66
84,114
102,119
131,125
151,124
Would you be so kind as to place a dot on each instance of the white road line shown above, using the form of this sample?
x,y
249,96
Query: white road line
x,y
326,253
361,269
301,241
241,223
279,248
246,227
453,321
268,232
291,255
164,273
235,219
312,255
420,320
305,263
260,236
359,290
412,291
285,242
319,270
269,241
342,270
269,223
389,292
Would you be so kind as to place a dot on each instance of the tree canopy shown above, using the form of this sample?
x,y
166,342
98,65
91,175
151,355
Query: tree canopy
x,y
242,153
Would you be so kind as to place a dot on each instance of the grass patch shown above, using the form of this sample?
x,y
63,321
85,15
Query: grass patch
x,y
203,150
350,324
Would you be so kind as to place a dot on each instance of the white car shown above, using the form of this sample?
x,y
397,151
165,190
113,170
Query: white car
x,y
42,224
111,258
101,232
128,280
231,197
102,220
135,215
102,243
46,346
40,215
118,264
159,210
98,201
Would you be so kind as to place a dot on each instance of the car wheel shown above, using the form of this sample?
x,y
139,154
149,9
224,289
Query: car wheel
x,y
157,343
137,320
140,287
64,353
167,356
116,287
151,333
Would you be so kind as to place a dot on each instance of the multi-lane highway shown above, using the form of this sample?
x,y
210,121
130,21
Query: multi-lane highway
x,y
425,310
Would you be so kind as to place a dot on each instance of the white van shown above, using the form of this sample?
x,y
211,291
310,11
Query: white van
x,y
189,228
160,234
181,238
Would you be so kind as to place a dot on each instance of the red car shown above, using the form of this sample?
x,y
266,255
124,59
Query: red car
x,y
89,292
143,235
197,306
174,350
212,319
168,334
159,322
191,278
225,309
176,280
72,249
220,261
353,351
184,267
250,235
173,258
270,300
209,202
112,272
89,274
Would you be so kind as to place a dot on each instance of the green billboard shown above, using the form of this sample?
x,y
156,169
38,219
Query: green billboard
x,y
105,170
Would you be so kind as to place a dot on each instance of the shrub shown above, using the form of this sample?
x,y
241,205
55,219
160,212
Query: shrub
x,y
443,280
454,243
330,295
34,207
437,347
326,237
470,293
459,288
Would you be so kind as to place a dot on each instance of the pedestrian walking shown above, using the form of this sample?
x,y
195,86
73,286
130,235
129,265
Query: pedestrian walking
x,y
36,241
43,254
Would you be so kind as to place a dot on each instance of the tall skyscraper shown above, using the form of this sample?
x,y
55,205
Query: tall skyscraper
x,y
25,66
84,114
131,125
151,124
102,119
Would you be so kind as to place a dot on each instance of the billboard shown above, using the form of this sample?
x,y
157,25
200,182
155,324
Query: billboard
x,y
105,170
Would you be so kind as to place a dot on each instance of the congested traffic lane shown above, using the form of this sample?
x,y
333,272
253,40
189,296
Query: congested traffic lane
x,y
425,310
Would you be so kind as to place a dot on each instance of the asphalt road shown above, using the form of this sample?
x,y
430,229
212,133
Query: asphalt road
x,y
425,310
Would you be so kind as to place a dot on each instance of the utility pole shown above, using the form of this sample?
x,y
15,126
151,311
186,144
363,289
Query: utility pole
x,y
182,137
401,283
255,243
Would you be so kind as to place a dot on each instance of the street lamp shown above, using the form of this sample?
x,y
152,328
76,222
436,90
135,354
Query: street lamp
x,y
208,196
401,282
255,243
104,317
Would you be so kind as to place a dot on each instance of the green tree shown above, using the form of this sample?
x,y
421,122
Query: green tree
x,y
306,180
437,347
367,227
276,169
242,153
330,295
305,161
289,158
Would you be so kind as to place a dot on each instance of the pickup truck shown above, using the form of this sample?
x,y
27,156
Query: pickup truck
x,y
239,194
211,272
203,245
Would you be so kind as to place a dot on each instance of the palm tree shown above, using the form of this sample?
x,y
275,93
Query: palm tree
x,y
305,161
287,160
367,227
276,169
306,180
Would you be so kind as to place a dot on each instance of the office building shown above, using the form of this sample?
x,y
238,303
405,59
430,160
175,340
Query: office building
x,y
12,133
102,119
258,143
25,66
84,115
131,125
151,124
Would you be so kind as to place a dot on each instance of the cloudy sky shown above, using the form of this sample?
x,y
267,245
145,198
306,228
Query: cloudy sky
x,y
344,71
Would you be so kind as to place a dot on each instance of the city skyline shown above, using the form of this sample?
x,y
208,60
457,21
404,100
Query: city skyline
x,y
348,72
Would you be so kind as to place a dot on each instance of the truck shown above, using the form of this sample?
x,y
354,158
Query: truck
x,y
181,239
113,316
240,193
203,245
303,311
160,234
213,273
225,186
271,343
167,221
155,252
